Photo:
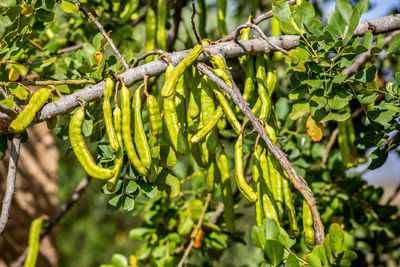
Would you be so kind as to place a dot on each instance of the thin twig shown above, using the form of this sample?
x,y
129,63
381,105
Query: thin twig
x,y
196,230
150,53
10,187
175,26
329,146
193,23
51,82
297,180
257,21
69,49
261,33
76,195
101,28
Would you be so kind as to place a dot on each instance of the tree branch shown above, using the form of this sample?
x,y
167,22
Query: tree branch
x,y
101,28
10,188
297,181
156,67
76,195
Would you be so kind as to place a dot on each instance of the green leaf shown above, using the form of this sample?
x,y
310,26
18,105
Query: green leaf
x,y
347,258
87,127
114,203
362,6
298,110
339,78
258,236
150,190
129,203
367,99
298,93
345,9
394,45
8,3
13,12
367,75
292,261
398,78
185,225
381,116
119,260
271,229
379,157
140,233
304,15
19,92
281,11
69,7
315,84
7,102
319,251
131,187
313,260
97,41
336,238
48,62
367,40
274,251
336,24
45,16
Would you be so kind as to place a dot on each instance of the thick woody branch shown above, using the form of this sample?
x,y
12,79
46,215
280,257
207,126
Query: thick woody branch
x,y
156,67
10,188
297,181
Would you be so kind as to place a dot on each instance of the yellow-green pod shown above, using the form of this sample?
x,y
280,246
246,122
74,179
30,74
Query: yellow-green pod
x,y
221,10
276,30
308,226
230,115
245,36
120,155
151,25
81,151
276,181
25,118
244,188
226,191
174,185
33,243
141,143
269,209
257,177
169,86
212,174
161,21
107,116
154,117
287,194
126,131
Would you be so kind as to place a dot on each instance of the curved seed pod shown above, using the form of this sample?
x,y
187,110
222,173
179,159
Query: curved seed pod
x,y
262,90
226,191
128,10
194,98
169,86
269,209
33,243
81,151
218,62
24,119
271,76
176,135
257,173
126,131
208,127
221,10
207,112
141,143
309,234
249,82
257,107
223,75
287,195
212,174
161,21
276,30
107,116
221,124
245,36
154,116
180,103
276,186
230,115
244,188
120,156
151,25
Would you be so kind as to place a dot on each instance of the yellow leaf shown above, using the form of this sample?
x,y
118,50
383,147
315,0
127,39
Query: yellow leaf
x,y
13,75
314,129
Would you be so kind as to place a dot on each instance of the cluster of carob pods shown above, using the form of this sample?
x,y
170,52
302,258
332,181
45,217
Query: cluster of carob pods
x,y
192,126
